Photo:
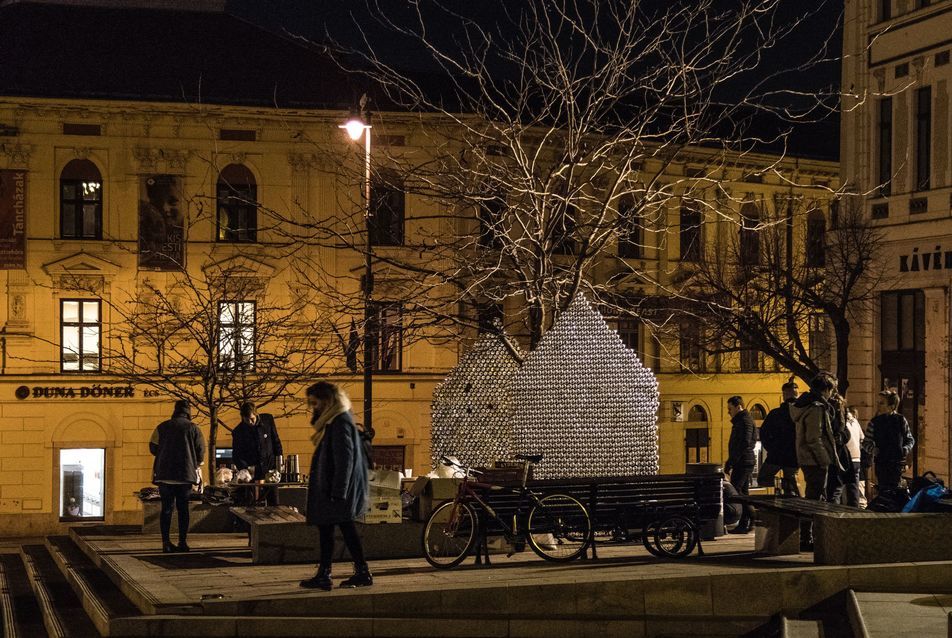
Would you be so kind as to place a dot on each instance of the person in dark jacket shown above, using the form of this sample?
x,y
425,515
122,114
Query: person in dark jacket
x,y
840,471
179,451
816,444
740,459
255,443
778,435
888,441
337,486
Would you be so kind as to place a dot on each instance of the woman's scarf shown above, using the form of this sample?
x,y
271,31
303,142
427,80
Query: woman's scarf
x,y
332,410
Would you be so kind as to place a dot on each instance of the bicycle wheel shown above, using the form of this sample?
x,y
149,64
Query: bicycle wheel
x,y
675,537
449,534
558,528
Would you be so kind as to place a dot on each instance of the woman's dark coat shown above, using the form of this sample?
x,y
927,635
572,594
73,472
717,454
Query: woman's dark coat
x,y
337,487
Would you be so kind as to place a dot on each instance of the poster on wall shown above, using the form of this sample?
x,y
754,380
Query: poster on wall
x,y
12,219
161,223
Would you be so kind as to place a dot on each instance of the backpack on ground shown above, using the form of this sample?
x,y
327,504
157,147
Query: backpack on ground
x,y
890,500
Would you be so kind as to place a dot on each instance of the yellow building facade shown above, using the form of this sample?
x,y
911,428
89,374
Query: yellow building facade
x,y
76,174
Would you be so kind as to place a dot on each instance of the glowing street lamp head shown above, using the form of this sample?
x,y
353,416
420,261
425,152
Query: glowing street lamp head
x,y
354,128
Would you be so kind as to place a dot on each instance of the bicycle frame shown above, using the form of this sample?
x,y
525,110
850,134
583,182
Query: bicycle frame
x,y
469,492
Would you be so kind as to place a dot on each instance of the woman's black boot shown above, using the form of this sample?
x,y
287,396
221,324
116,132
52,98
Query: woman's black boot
x,y
361,578
321,580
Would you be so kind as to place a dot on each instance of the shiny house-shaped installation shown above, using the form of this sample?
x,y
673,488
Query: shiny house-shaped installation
x,y
471,407
581,398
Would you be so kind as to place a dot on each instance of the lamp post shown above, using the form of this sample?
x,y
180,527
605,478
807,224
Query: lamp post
x,y
359,124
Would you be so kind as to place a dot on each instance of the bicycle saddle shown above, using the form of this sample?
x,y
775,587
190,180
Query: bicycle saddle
x,y
532,458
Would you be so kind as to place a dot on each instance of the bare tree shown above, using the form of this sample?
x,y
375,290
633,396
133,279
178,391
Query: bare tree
x,y
779,282
217,337
543,147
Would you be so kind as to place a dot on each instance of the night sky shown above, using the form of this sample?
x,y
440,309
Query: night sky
x,y
314,19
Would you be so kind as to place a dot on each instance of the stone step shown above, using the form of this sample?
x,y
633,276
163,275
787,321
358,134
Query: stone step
x,y
21,615
107,607
792,628
890,614
63,614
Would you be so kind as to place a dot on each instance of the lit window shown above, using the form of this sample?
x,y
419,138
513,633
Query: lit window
x,y
237,205
82,484
80,201
80,330
236,335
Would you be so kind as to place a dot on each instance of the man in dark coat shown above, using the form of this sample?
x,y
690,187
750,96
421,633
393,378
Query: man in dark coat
x,y
740,459
778,435
255,443
179,451
888,441
337,487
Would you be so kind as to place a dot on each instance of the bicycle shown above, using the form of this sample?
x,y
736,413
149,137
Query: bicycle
x,y
556,526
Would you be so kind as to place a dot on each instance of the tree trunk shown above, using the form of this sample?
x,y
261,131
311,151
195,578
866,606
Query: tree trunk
x,y
212,442
842,334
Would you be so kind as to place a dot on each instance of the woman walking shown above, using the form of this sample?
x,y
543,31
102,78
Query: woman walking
x,y
337,488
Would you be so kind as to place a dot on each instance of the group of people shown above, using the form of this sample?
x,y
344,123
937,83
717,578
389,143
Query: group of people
x,y
817,434
337,485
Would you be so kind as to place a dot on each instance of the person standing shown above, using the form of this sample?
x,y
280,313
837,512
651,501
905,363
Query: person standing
x,y
337,486
740,459
816,447
840,472
255,443
888,441
179,451
778,435
854,450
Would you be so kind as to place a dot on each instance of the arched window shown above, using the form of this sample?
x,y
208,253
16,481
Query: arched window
x,y
749,235
758,412
631,239
816,239
697,414
80,201
237,205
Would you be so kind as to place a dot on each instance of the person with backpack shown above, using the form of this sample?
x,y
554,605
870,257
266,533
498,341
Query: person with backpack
x,y
740,460
816,445
888,441
778,435
337,488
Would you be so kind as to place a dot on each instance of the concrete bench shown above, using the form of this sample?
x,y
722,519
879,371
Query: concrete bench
x,y
862,537
297,542
777,521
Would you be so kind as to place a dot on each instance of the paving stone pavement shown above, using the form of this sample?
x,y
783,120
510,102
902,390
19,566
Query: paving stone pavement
x,y
905,615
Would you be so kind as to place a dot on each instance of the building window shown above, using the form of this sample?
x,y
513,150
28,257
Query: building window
x,y
80,201
237,205
82,475
630,332
885,10
885,146
491,212
691,353
690,234
816,239
390,457
565,220
749,235
632,237
80,331
387,209
236,335
387,355
488,315
751,358
821,341
697,445
903,321
923,138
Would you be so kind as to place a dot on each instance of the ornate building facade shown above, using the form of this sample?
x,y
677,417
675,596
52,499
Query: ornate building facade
x,y
162,161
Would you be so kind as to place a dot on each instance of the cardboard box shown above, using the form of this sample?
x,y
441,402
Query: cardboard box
x,y
384,483
384,509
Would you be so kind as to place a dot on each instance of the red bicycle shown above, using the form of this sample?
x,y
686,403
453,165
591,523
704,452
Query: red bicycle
x,y
556,526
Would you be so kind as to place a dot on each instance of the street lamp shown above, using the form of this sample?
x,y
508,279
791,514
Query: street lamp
x,y
359,124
